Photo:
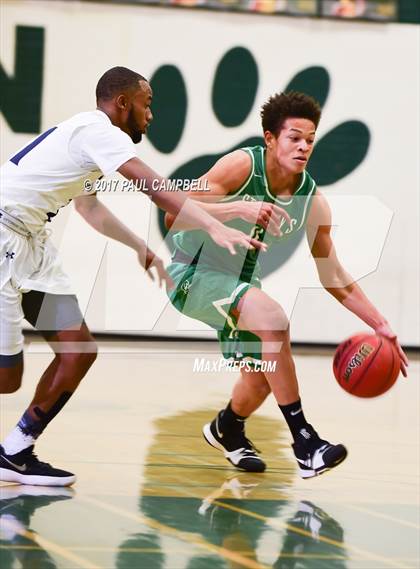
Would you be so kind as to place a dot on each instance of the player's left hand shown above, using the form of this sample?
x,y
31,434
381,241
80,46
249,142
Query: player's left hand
x,y
386,331
149,261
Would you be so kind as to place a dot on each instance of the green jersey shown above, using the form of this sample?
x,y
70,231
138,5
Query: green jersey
x,y
199,245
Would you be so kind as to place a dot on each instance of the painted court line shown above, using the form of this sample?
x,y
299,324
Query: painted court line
x,y
50,546
159,550
278,524
310,556
184,536
382,516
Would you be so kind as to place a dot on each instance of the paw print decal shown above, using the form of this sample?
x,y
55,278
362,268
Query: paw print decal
x,y
336,154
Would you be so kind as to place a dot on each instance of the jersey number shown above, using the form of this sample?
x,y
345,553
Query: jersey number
x,y
18,157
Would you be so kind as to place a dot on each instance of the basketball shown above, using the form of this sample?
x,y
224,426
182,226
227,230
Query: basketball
x,y
366,365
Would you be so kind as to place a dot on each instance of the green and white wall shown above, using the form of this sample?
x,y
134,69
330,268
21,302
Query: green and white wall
x,y
211,72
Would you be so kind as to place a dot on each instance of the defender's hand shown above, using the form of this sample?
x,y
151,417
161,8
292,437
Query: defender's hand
x,y
228,237
267,215
149,261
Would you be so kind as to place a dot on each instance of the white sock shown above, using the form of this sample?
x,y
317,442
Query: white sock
x,y
17,441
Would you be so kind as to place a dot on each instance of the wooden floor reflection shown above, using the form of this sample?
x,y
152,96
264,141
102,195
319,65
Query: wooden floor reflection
x,y
152,494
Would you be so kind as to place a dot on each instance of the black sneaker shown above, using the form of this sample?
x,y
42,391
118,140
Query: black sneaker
x,y
314,455
25,468
235,446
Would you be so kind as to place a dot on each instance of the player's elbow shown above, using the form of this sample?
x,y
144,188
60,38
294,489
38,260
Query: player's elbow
x,y
85,206
81,206
335,279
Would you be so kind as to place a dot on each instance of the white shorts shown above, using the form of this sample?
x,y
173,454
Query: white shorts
x,y
27,263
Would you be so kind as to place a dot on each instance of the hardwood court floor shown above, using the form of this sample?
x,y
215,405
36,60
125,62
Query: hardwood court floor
x,y
151,494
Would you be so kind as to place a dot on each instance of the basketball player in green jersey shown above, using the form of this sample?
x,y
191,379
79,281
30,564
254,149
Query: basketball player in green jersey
x,y
266,192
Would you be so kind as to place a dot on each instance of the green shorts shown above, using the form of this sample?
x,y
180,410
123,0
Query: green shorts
x,y
211,297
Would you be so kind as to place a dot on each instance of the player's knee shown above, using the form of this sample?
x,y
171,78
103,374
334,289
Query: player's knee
x,y
80,362
89,356
264,390
257,382
92,355
274,323
87,359
261,391
77,351
79,358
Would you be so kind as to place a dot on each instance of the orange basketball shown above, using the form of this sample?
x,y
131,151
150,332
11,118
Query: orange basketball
x,y
366,365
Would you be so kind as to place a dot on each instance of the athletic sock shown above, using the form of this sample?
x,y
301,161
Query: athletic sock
x,y
23,435
229,421
29,428
296,421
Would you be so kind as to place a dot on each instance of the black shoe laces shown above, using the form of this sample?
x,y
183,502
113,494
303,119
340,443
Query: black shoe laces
x,y
32,459
250,447
35,460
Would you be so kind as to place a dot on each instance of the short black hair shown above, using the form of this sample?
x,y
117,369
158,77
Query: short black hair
x,y
115,81
282,106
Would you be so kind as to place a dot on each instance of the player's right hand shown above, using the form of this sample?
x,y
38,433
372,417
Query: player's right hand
x,y
267,215
228,238
385,330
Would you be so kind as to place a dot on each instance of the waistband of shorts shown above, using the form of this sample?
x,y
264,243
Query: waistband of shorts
x,y
181,257
13,224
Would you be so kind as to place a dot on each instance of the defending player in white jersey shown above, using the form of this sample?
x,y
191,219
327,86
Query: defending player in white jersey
x,y
36,182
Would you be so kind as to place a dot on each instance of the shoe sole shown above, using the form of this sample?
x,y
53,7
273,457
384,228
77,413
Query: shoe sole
x,y
313,473
209,438
7,475
12,491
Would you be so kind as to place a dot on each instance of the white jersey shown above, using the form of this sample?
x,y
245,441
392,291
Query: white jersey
x,y
50,171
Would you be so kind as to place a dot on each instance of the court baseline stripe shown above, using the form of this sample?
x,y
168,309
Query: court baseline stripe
x,y
51,547
184,536
380,515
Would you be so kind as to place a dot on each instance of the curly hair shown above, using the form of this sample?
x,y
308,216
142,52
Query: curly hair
x,y
282,106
